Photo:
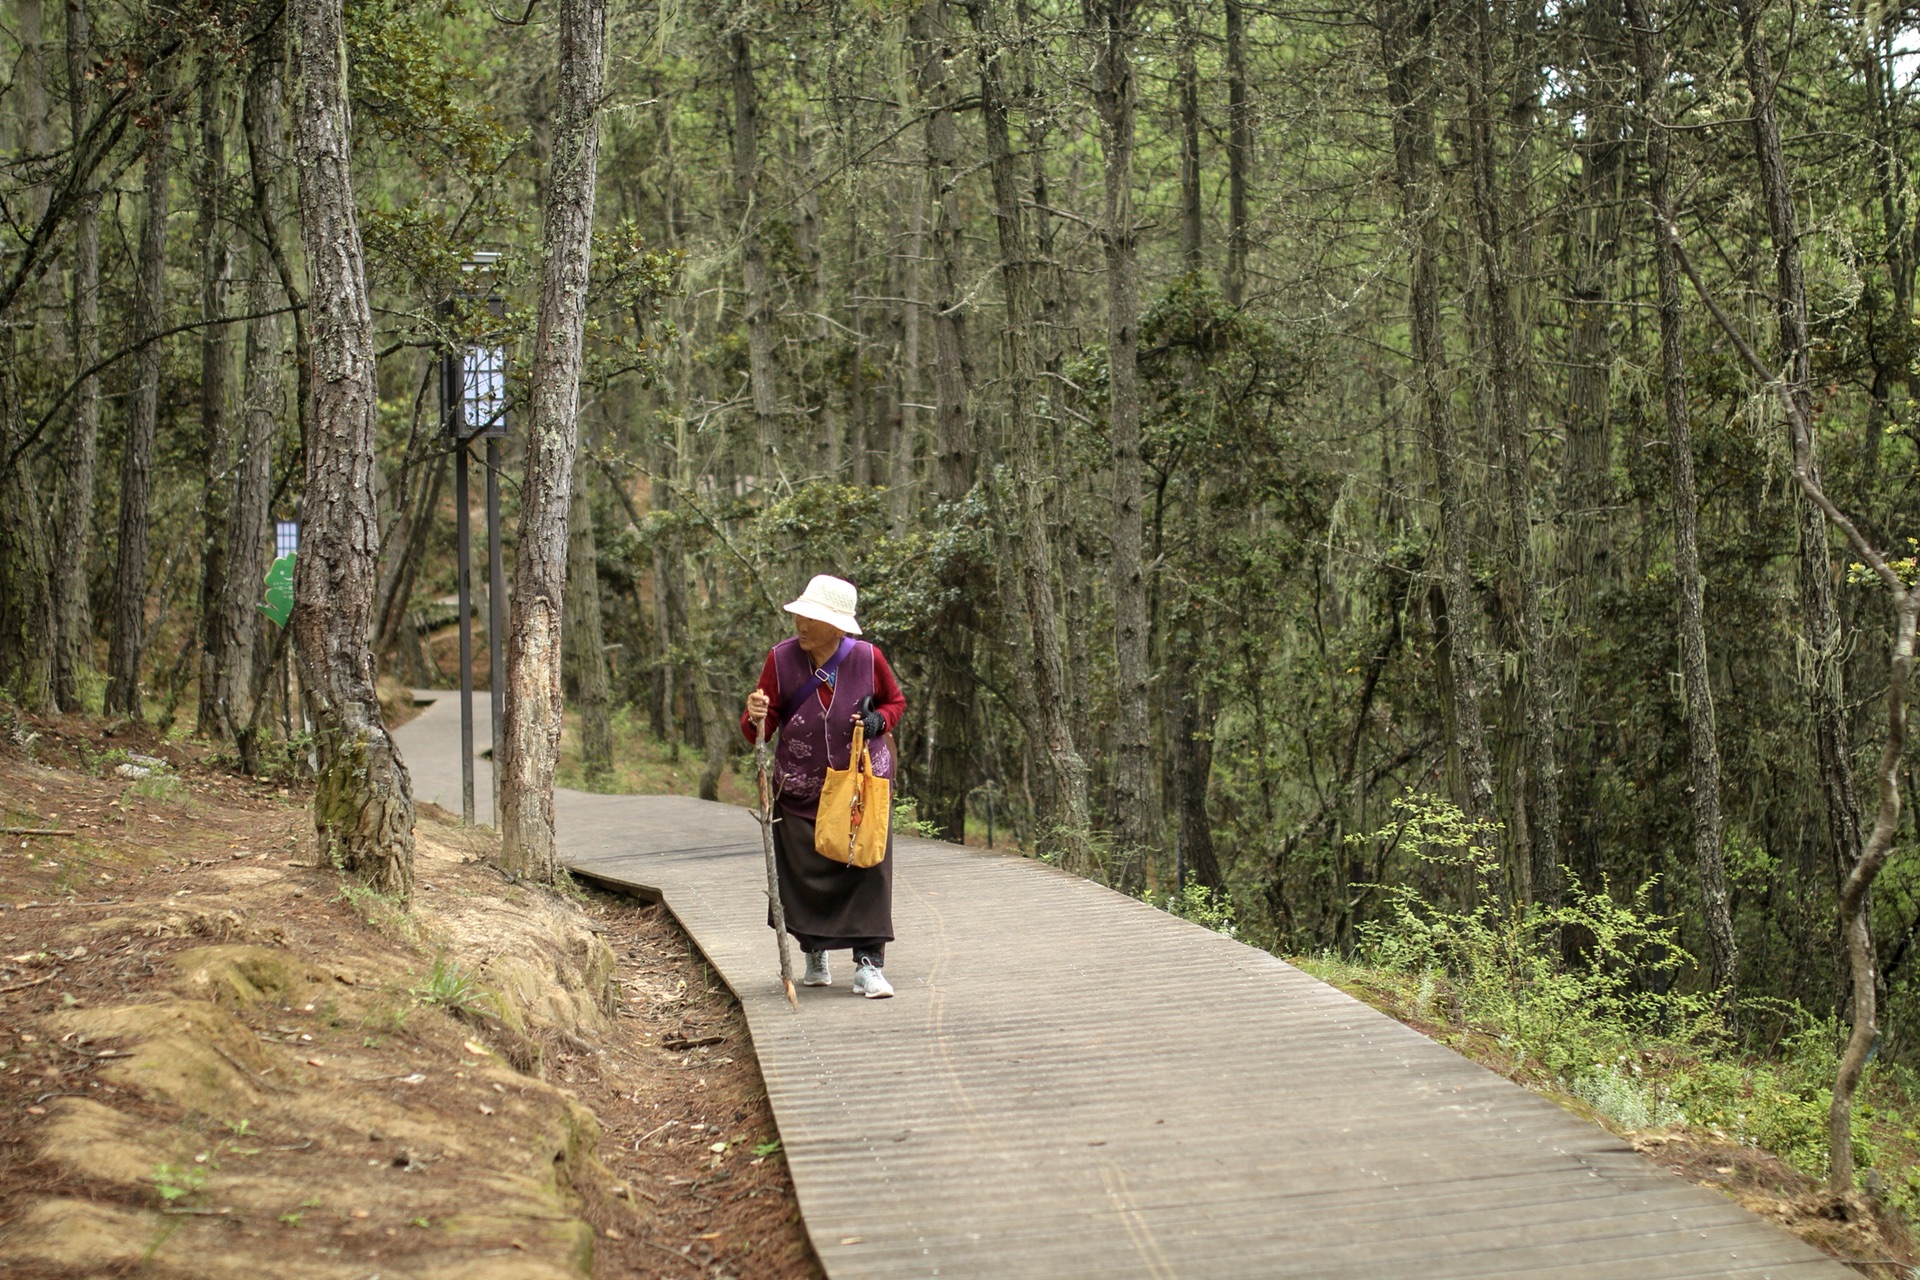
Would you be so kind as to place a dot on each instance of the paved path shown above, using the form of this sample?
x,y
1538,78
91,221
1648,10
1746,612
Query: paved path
x,y
1072,1084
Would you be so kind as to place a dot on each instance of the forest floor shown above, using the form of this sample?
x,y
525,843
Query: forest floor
x,y
217,1059
1862,1230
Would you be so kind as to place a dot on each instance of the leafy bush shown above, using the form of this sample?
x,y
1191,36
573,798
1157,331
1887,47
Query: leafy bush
x,y
1209,908
1607,1019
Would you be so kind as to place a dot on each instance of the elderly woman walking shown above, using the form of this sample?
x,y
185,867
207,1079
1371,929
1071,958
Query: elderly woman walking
x,y
814,688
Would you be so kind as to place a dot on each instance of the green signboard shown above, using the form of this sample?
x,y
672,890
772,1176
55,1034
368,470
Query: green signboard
x,y
278,604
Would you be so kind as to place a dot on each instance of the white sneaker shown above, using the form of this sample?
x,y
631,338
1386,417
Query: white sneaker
x,y
868,981
817,974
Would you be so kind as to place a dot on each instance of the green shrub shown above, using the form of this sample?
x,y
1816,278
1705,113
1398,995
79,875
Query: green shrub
x,y
1607,1021
1209,908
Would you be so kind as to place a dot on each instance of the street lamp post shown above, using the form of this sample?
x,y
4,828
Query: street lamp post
x,y
473,404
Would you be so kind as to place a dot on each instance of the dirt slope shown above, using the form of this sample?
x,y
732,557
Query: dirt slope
x,y
218,1060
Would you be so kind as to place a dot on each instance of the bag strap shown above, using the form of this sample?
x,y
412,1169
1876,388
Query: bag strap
x,y
825,675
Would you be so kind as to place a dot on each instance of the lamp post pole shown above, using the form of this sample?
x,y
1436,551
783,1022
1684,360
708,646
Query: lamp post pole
x,y
496,616
451,396
473,403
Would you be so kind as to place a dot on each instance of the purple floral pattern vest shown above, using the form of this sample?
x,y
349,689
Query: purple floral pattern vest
x,y
814,737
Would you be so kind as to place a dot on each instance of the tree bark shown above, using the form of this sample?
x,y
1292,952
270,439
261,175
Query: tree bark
x,y
1239,152
1406,28
1542,867
26,569
363,798
531,740
72,618
1703,746
136,459
762,375
1585,563
1136,810
1819,619
1187,79
219,458
585,642
262,410
1064,826
950,656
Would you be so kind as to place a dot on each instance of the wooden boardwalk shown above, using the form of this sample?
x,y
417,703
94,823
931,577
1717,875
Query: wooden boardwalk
x,y
1070,1083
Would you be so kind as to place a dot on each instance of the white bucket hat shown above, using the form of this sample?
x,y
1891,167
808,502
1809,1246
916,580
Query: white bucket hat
x,y
830,600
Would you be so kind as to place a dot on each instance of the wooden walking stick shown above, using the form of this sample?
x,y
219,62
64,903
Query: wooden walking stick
x,y
764,762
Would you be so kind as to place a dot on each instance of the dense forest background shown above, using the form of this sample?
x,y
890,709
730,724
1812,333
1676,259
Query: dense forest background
x,y
1235,415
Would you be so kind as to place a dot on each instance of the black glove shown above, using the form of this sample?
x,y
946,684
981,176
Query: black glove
x,y
872,721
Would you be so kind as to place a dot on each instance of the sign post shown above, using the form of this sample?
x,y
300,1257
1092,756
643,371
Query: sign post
x,y
473,404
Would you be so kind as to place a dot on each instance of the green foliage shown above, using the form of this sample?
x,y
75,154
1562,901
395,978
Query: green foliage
x,y
451,987
1505,963
1209,908
907,822
178,1181
1608,1020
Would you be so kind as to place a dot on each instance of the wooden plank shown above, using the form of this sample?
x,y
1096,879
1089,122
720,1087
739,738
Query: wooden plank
x,y
1072,1083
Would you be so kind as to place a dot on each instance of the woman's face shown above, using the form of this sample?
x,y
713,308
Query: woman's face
x,y
816,636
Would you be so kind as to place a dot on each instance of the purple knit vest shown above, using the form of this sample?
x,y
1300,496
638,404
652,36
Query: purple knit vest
x,y
814,737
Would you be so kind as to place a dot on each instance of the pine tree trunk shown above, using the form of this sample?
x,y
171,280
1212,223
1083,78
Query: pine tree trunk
x,y
363,798
1407,46
1136,809
1187,81
950,647
761,370
26,567
215,422
73,618
584,642
1542,867
1819,619
531,739
136,460
1703,746
1065,826
262,410
1585,567
1239,152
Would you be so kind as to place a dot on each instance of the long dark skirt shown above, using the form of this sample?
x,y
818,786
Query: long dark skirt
x,y
830,906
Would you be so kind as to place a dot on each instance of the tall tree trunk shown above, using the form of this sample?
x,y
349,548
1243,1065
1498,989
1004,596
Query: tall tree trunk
x,y
1239,152
136,461
531,740
72,617
1190,770
26,568
586,646
215,422
1187,78
1065,826
1136,810
901,486
1703,745
262,409
761,370
950,655
1406,28
1542,866
1584,555
1819,619
363,798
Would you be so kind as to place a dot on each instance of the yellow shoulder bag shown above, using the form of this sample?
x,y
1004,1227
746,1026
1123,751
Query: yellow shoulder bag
x,y
855,808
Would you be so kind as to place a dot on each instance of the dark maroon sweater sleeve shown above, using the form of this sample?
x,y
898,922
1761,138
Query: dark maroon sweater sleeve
x,y
887,698
769,685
